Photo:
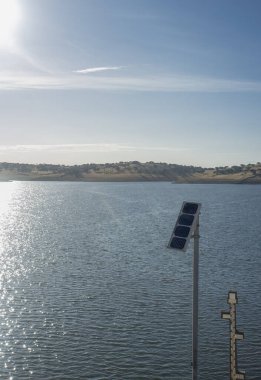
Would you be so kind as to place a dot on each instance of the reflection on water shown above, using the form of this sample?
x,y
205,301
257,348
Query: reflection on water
x,y
89,290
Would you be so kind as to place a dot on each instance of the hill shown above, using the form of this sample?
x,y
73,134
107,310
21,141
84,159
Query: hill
x,y
131,171
250,173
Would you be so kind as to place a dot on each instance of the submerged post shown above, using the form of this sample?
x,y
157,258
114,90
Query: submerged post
x,y
234,336
195,304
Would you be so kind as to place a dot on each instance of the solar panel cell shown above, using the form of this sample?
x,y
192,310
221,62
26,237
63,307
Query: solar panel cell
x,y
177,243
185,220
190,208
182,231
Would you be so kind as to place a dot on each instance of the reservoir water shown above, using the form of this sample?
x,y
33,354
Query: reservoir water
x,y
90,291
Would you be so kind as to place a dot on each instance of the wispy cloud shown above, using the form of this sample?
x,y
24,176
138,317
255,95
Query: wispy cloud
x,y
135,83
80,148
98,69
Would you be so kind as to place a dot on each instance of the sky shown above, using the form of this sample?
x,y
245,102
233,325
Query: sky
x,y
120,80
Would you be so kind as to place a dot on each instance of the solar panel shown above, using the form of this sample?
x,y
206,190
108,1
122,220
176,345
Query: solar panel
x,y
185,226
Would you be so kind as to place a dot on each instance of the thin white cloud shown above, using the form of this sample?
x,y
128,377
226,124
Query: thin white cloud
x,y
80,148
97,69
138,83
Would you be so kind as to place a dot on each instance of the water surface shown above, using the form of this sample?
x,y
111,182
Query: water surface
x,y
90,291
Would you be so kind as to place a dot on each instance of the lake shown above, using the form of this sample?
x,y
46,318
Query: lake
x,y
90,291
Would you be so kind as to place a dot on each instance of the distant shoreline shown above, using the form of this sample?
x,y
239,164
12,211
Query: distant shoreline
x,y
132,171
131,180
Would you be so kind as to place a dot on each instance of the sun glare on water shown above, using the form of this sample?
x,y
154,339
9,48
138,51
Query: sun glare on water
x,y
9,17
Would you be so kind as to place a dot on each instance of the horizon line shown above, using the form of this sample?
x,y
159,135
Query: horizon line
x,y
127,162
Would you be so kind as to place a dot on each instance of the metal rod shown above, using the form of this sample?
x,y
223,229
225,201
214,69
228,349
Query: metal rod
x,y
195,304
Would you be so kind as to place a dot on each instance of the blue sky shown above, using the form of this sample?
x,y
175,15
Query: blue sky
x,y
118,80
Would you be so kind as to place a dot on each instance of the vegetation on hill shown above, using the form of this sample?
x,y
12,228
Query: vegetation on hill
x,y
132,171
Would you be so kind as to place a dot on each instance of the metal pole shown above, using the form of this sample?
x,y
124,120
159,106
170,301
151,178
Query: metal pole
x,y
195,304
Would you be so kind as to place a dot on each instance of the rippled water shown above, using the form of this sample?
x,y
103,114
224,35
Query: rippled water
x,y
89,290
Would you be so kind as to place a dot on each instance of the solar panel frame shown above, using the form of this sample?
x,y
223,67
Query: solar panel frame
x,y
182,221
